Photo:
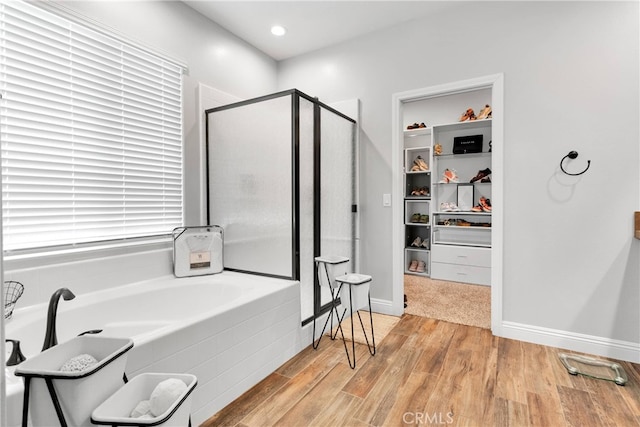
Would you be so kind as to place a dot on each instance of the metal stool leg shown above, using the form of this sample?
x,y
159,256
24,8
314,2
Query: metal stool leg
x,y
371,346
334,308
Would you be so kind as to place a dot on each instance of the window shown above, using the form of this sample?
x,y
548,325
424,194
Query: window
x,y
91,134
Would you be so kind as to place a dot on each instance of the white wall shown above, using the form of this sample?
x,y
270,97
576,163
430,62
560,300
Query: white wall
x,y
571,83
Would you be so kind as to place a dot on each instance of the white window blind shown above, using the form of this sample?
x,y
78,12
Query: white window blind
x,y
91,134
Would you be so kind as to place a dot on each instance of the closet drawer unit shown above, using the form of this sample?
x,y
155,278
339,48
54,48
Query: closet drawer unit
x,y
479,257
461,273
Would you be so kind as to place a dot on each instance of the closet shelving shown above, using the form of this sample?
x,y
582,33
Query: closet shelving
x,y
417,201
461,235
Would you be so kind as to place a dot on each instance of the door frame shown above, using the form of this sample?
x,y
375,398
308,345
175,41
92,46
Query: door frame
x,y
495,82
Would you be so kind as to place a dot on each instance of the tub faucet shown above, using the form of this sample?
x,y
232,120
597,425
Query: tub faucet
x,y
50,338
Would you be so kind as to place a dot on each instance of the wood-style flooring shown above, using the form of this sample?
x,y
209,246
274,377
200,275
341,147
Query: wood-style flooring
x,y
429,372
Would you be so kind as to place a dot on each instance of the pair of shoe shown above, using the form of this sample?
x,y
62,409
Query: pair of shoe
x,y
421,191
417,266
469,115
449,176
418,242
419,165
449,207
420,218
485,113
482,176
484,205
437,149
416,126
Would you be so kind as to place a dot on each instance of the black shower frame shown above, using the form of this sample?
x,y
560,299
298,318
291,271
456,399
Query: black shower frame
x,y
295,94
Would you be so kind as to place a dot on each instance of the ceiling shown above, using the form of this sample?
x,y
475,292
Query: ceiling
x,y
310,25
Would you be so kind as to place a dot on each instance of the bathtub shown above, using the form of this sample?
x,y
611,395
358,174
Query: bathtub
x,y
230,330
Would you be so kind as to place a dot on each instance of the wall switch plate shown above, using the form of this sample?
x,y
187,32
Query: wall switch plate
x,y
386,199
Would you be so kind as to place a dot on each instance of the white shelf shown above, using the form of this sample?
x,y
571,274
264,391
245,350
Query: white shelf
x,y
458,243
468,125
417,132
462,213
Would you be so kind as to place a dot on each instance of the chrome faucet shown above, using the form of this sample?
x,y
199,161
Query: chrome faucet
x,y
50,338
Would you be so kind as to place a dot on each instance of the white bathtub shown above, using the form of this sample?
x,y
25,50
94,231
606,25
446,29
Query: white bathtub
x,y
230,330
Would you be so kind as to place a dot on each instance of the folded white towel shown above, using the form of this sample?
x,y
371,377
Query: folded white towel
x,y
165,395
78,363
142,408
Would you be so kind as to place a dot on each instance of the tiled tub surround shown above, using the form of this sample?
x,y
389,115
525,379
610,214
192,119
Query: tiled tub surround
x,y
230,330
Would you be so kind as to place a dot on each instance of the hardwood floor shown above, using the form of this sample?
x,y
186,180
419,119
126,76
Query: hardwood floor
x,y
431,372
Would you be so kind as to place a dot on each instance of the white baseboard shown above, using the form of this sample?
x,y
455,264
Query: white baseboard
x,y
605,347
382,306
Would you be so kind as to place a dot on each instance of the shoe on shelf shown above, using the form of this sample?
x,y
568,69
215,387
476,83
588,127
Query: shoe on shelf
x,y
425,243
485,113
422,165
416,126
449,176
476,208
481,174
415,192
437,149
415,168
417,242
485,204
449,207
414,265
486,179
424,219
415,217
421,267
468,115
424,191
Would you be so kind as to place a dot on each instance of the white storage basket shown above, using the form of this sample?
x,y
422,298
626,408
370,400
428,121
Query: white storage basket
x,y
116,410
78,392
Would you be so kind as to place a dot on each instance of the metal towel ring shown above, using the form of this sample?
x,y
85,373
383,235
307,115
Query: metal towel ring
x,y
572,155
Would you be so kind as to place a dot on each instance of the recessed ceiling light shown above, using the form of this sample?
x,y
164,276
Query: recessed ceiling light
x,y
278,30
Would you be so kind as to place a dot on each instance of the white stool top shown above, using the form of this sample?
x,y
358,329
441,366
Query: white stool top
x,y
331,259
354,278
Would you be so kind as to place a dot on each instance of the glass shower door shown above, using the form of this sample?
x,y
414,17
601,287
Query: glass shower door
x,y
250,154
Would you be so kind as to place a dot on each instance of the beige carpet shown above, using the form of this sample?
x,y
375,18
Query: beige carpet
x,y
382,324
450,301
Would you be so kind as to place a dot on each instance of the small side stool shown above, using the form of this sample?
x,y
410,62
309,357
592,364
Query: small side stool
x,y
327,267
358,286
352,290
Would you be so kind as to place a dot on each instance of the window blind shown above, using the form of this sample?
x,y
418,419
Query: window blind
x,y
90,131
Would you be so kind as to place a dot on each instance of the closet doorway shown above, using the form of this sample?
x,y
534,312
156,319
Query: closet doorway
x,y
467,245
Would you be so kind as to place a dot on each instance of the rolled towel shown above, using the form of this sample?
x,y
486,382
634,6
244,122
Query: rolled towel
x,y
78,363
166,394
141,409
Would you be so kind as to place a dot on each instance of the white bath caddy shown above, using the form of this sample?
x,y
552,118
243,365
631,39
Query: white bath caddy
x,y
116,410
69,397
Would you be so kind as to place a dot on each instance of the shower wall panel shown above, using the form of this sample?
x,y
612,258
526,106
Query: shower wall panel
x,y
250,185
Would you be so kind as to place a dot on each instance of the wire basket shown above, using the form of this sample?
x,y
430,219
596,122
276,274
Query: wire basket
x,y
12,292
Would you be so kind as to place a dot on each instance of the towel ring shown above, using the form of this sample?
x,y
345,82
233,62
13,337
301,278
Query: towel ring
x,y
572,155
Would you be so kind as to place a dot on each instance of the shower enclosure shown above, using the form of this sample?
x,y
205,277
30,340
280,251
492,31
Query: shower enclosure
x,y
281,183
